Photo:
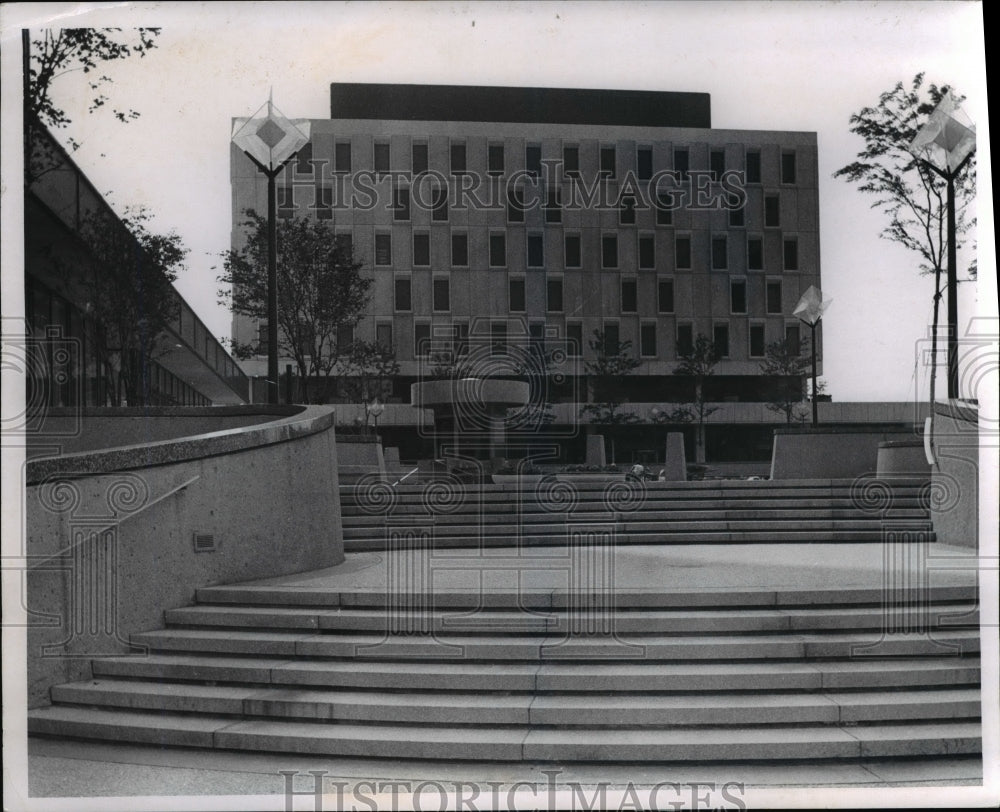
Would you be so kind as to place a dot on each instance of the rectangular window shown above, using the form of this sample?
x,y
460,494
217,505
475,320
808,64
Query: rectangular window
x,y
533,160
685,339
439,210
571,161
644,163
494,159
345,338
498,250
757,349
753,167
383,335
612,341
647,252
788,167
418,158
554,295
515,295
442,295
717,163
460,250
498,337
574,339
773,297
720,252
421,339
536,251
573,258
665,296
608,159
553,207
458,159
647,340
421,249
793,339
755,254
772,211
737,296
630,296
609,251
682,252
720,338
682,162
342,156
736,217
626,211
791,255
664,210
515,205
403,295
383,249
401,204
381,158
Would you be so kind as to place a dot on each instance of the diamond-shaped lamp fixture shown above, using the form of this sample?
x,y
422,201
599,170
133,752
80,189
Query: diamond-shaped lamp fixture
x,y
948,137
270,139
811,306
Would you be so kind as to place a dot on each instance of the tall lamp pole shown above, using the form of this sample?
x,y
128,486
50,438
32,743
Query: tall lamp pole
x,y
809,311
945,145
270,141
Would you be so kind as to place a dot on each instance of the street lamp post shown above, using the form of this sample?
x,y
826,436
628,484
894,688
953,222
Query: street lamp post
x,y
945,144
809,311
375,410
270,141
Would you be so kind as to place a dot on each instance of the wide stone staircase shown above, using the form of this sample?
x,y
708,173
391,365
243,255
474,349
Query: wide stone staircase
x,y
594,671
547,511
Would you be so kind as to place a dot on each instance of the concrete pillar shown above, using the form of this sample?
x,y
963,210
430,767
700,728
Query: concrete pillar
x,y
675,469
595,450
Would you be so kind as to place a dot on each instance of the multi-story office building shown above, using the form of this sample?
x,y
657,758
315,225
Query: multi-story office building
x,y
524,215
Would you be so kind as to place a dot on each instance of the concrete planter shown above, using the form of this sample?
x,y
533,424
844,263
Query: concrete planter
x,y
902,457
829,453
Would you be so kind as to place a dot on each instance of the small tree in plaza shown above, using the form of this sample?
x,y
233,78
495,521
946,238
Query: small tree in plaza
x,y
320,291
788,364
698,361
606,374
366,373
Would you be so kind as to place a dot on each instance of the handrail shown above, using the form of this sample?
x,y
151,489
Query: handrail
x,y
116,523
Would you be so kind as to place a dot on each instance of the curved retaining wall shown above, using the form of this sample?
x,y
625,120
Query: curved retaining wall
x,y
111,534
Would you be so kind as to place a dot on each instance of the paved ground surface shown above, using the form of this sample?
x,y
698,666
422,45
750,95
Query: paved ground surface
x,y
58,768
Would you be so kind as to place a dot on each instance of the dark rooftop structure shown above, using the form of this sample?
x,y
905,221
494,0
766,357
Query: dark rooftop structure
x,y
634,108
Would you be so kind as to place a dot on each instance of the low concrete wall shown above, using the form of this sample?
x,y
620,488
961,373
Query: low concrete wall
x,y
358,456
954,495
828,453
71,430
111,535
902,457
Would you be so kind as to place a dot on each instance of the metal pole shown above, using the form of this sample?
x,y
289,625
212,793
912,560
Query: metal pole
x,y
272,292
288,383
815,403
952,294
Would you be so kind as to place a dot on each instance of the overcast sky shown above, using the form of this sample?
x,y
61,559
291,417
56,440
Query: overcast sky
x,y
773,66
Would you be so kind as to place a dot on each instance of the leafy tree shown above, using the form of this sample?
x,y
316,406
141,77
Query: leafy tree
x,y
913,196
130,295
56,52
698,361
788,365
607,372
366,373
320,291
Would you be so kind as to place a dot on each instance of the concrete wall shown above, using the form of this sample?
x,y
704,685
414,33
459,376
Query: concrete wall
x,y
70,430
358,456
828,453
110,535
954,496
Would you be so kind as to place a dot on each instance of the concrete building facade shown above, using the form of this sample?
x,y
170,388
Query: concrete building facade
x,y
520,216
